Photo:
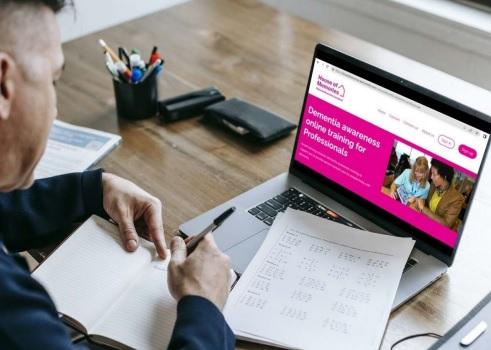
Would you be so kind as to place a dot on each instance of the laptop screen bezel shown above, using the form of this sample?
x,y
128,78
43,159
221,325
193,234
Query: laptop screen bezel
x,y
365,208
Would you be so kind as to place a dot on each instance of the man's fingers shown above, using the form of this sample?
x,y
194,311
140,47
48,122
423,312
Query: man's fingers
x,y
128,233
178,250
210,241
153,220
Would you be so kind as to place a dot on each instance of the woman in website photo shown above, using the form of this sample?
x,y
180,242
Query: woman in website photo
x,y
444,201
412,183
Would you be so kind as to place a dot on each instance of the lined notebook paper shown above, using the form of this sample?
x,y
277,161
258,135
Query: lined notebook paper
x,y
112,293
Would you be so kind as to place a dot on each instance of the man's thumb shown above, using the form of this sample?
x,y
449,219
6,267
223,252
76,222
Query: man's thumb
x,y
178,250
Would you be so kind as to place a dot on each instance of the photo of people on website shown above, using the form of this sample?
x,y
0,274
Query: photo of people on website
x,y
427,185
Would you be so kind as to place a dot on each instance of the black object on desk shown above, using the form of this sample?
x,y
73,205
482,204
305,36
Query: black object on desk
x,y
471,332
248,120
137,101
189,105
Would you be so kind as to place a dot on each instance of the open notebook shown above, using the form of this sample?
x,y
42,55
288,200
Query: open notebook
x,y
117,298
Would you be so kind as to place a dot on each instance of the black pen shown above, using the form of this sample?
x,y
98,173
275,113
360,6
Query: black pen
x,y
210,228
124,56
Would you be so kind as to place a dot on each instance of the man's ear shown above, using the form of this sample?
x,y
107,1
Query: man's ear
x,y
7,86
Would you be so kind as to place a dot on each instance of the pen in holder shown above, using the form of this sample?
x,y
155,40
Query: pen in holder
x,y
137,101
135,82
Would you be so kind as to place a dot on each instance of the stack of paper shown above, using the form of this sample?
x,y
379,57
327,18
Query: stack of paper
x,y
318,284
73,148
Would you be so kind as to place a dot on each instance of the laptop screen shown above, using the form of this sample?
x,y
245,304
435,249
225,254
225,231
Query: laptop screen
x,y
411,161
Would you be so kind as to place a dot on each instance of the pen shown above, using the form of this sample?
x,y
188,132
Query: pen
x,y
123,69
154,56
109,50
111,67
135,60
151,68
120,65
124,56
210,228
136,75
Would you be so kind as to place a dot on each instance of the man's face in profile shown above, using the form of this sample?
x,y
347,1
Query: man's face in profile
x,y
31,61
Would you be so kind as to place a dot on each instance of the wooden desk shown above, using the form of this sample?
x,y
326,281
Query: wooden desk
x,y
259,54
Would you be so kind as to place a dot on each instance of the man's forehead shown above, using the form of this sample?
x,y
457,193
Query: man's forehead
x,y
50,32
51,43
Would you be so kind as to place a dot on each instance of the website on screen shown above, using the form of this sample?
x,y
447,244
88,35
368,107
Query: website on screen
x,y
406,158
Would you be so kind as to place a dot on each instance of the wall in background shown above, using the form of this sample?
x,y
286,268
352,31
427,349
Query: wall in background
x,y
93,15
436,39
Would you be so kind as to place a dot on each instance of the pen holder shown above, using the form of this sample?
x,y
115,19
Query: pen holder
x,y
137,101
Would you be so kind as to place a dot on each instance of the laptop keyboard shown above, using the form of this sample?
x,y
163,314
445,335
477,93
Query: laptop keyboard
x,y
293,198
411,262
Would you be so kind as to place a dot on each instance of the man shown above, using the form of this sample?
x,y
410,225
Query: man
x,y
31,212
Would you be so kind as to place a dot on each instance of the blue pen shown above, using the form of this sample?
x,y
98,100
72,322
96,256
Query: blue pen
x,y
136,75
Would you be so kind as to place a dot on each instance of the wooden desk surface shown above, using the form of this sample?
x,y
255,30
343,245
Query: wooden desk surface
x,y
254,52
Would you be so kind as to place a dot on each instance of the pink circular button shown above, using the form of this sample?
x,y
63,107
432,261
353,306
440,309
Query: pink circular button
x,y
468,151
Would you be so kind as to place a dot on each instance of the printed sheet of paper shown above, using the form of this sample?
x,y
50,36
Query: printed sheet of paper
x,y
318,284
73,148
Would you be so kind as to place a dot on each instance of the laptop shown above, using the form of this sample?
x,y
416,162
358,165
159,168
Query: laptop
x,y
356,121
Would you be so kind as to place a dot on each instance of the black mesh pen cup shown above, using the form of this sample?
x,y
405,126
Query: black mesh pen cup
x,y
137,101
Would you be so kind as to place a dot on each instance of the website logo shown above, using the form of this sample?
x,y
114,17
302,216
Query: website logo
x,y
330,87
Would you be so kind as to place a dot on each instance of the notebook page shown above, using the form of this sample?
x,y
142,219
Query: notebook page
x,y
89,270
144,316
316,284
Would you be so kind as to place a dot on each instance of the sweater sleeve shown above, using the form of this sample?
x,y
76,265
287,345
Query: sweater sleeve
x,y
200,325
29,218
28,318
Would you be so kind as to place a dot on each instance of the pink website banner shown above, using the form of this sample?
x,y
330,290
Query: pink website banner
x,y
355,154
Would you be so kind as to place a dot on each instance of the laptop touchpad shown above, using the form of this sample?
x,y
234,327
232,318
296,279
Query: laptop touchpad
x,y
242,253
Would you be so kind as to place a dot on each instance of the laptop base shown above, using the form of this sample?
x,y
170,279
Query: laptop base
x,y
242,234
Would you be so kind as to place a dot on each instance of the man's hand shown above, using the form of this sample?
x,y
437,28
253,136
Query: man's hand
x,y
205,272
135,211
420,204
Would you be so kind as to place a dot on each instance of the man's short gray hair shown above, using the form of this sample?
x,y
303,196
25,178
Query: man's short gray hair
x,y
54,5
